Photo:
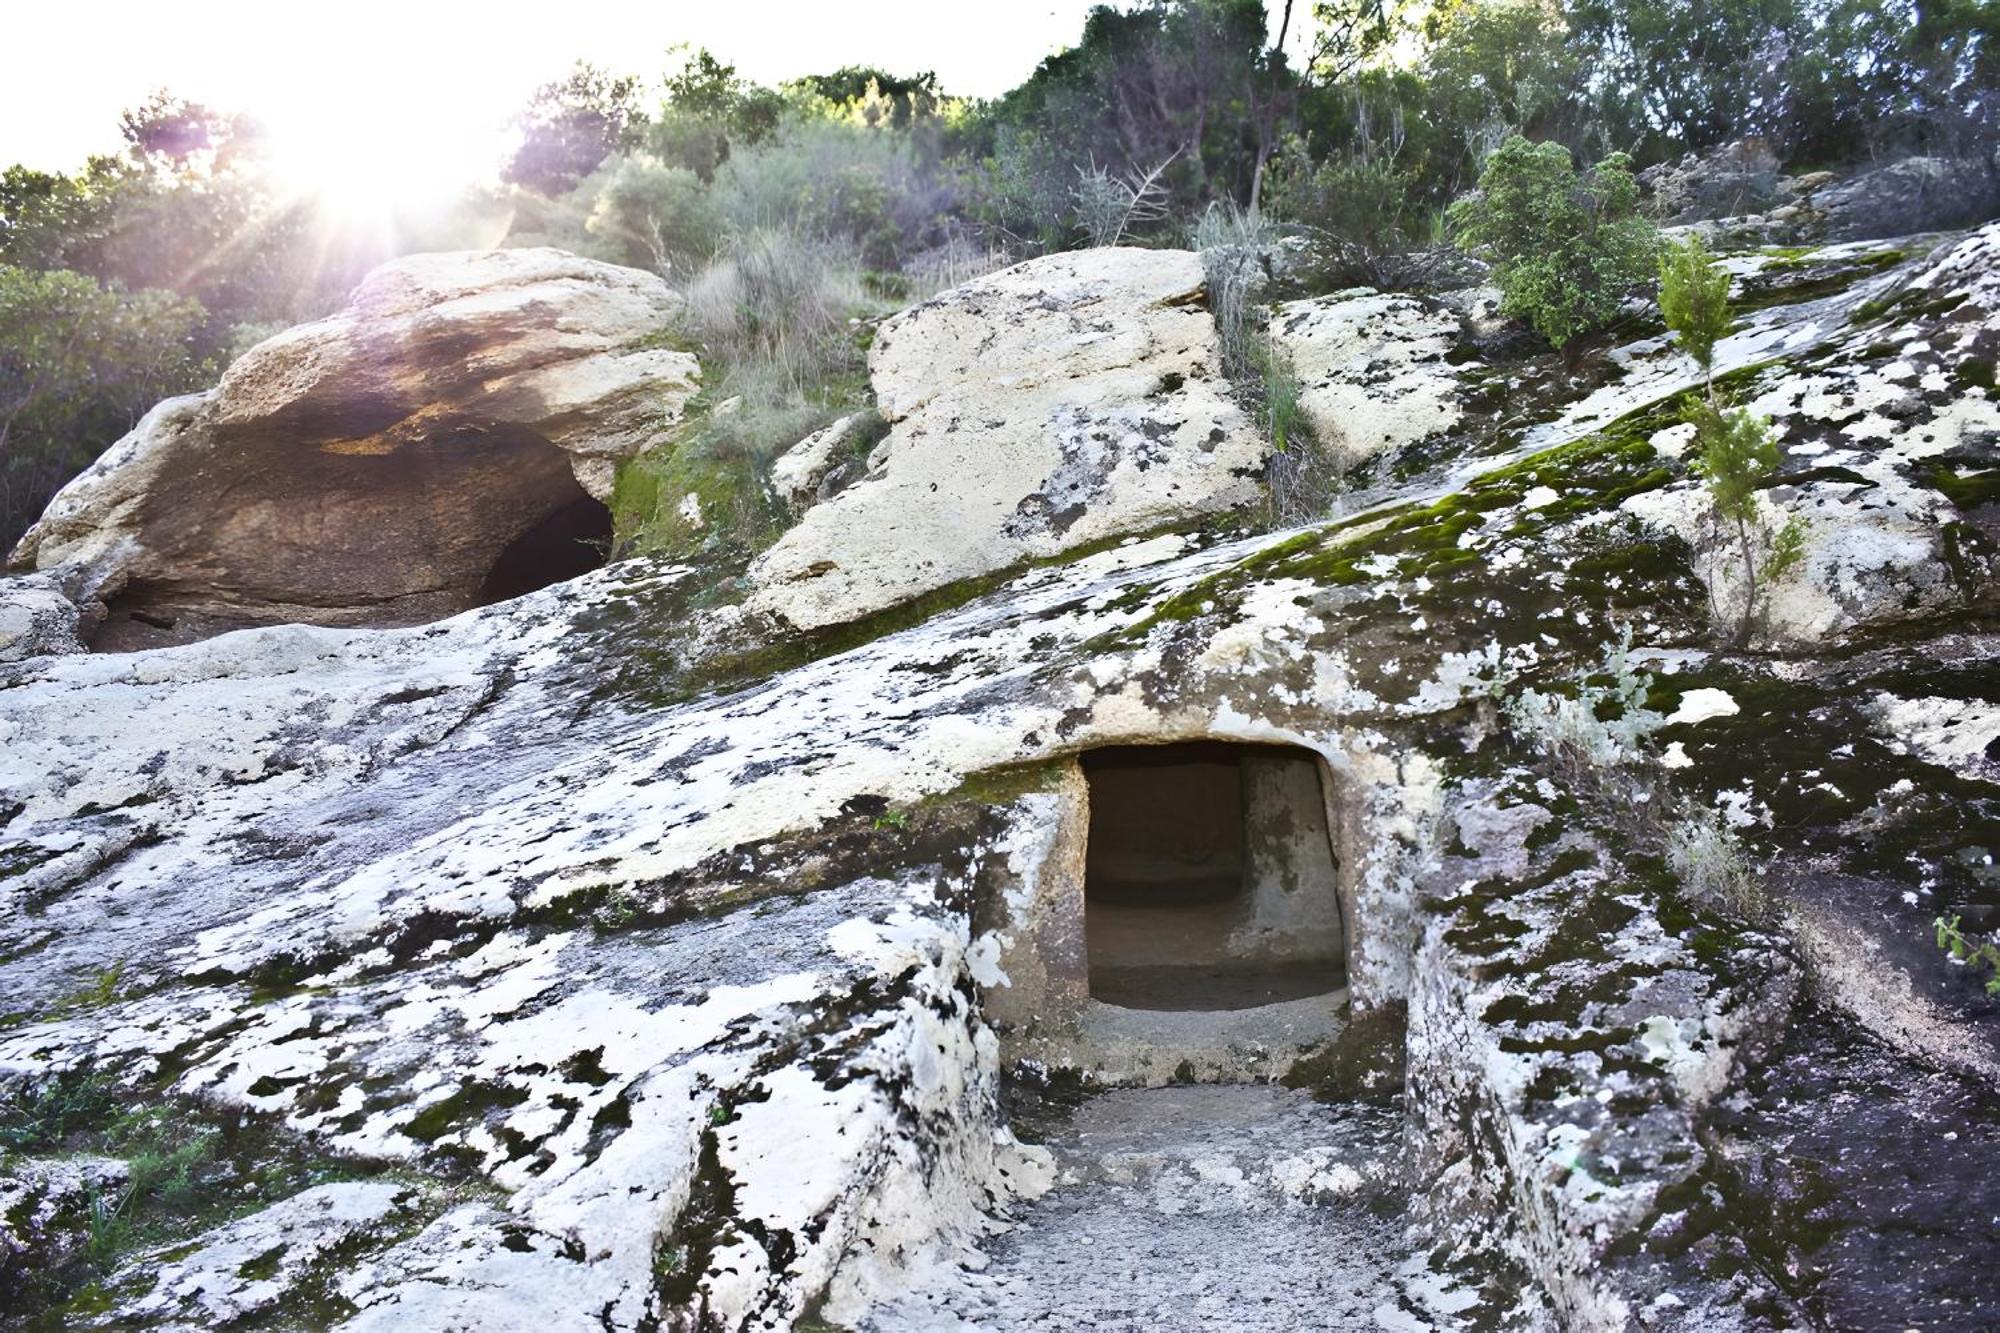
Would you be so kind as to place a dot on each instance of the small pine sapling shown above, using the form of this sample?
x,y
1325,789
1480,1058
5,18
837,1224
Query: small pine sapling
x,y
1694,299
1738,456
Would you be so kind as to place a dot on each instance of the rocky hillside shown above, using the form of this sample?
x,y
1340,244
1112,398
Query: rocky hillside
x,y
635,953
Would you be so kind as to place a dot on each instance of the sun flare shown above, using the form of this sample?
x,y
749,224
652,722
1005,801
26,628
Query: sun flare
x,y
369,171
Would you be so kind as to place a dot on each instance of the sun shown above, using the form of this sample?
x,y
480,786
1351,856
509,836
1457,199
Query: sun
x,y
367,167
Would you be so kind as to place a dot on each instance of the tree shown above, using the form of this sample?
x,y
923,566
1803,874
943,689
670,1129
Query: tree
x,y
1823,81
1735,452
80,362
905,100
1493,67
1694,300
169,133
48,219
1348,33
1565,247
708,112
1675,74
1186,80
570,126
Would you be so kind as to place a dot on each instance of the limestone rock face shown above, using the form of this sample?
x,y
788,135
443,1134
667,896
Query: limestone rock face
x,y
625,973
375,467
1372,369
1048,406
1874,449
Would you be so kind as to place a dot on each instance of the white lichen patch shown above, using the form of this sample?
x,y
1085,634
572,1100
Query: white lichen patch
x,y
1699,705
1959,734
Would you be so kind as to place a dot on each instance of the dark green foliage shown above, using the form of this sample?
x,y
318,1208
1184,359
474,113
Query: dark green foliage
x,y
1365,208
1822,80
708,111
651,215
1981,955
1188,83
80,361
886,100
1566,247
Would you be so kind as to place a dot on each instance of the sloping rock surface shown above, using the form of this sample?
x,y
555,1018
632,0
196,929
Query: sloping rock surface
x,y
374,467
639,966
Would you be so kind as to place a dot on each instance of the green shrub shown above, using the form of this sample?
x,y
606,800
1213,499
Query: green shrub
x,y
651,215
80,362
1565,247
827,173
1023,191
1359,209
1970,950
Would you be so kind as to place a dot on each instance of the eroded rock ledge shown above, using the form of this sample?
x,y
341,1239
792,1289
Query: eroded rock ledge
x,y
447,438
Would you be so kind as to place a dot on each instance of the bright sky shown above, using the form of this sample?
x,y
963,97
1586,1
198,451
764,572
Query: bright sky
x,y
441,79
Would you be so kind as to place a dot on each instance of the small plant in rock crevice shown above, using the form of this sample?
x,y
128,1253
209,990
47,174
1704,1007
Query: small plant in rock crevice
x,y
1599,738
1736,455
1235,246
1737,458
180,1171
1303,480
1707,858
1970,950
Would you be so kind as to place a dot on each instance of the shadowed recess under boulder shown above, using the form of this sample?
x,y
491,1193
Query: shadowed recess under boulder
x,y
445,441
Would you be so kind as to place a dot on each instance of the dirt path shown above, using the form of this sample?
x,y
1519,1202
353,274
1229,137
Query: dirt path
x,y
1210,1208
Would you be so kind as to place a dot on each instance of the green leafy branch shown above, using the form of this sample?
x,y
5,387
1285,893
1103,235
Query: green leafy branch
x,y
1970,950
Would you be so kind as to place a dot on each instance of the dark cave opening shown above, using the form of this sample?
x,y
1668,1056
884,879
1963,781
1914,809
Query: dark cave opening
x,y
570,542
1210,878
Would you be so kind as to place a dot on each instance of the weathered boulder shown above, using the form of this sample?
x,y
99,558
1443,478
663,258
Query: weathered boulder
x,y
36,618
1375,370
446,438
817,467
1900,198
1049,406
1734,179
1911,195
